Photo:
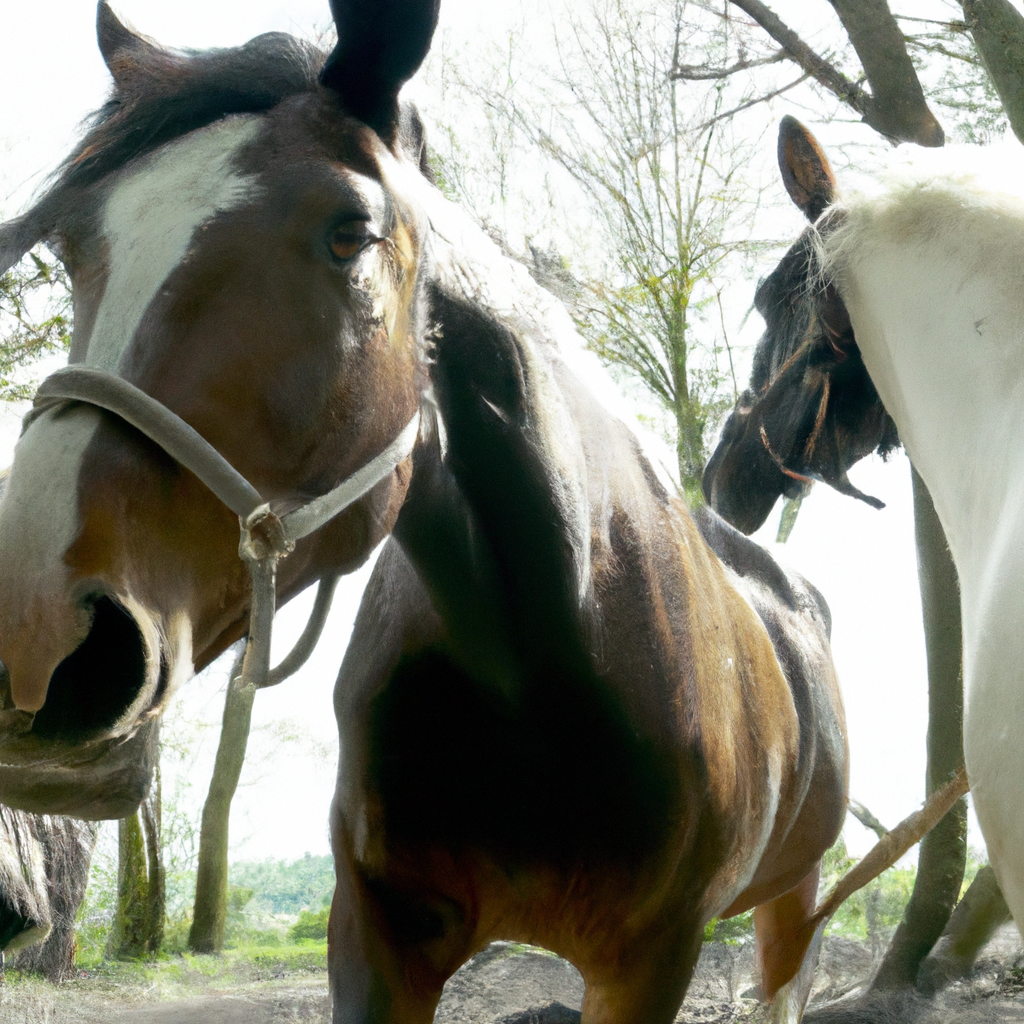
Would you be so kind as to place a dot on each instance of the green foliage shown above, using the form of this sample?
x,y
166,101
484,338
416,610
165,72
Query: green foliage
x,y
238,898
871,914
243,929
281,887
733,931
310,925
96,912
976,859
35,319
258,895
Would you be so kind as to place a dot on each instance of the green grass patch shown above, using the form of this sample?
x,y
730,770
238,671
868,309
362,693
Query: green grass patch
x,y
174,974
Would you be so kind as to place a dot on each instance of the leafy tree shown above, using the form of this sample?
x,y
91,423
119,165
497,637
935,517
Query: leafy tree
x,y
35,319
286,887
310,925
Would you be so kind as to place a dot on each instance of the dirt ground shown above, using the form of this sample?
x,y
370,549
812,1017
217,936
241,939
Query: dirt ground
x,y
506,980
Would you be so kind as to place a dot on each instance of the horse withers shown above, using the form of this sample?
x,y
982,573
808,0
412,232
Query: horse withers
x,y
903,309
571,713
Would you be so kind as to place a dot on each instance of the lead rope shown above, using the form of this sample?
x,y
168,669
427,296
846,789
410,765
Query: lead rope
x,y
261,547
266,538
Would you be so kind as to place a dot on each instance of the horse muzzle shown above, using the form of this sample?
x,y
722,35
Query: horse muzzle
x,y
88,748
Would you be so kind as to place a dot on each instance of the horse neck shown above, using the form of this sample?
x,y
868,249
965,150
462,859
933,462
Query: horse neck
x,y
497,522
945,349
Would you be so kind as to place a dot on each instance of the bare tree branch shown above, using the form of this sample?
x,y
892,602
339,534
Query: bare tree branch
x,y
918,43
753,103
897,102
875,114
800,53
867,819
704,72
952,26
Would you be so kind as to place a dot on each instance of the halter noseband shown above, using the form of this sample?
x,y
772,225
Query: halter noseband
x,y
265,537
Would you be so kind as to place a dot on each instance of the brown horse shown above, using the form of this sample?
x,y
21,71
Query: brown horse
x,y
571,714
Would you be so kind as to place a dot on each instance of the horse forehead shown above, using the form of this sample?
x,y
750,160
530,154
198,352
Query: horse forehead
x,y
152,214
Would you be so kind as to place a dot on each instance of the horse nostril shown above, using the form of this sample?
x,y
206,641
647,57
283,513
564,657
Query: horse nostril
x,y
96,684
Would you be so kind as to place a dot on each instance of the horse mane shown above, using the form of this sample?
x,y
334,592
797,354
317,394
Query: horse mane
x,y
470,265
160,95
966,203
167,94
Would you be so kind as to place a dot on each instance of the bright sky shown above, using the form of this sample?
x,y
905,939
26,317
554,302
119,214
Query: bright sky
x,y
863,561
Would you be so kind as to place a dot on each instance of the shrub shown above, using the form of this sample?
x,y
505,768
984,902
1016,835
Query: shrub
x,y
310,925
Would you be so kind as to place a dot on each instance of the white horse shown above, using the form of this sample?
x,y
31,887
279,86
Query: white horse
x,y
908,303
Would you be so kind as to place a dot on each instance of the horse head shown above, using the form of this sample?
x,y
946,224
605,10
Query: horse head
x,y
810,410
243,250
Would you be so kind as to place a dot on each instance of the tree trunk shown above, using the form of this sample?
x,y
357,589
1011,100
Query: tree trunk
x,y
127,939
898,107
974,922
156,895
997,28
207,932
943,851
138,925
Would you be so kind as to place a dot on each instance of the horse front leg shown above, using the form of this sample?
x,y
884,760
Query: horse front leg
x,y
645,982
400,926
788,948
371,978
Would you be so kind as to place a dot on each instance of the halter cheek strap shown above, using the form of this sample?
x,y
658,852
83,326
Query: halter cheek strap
x,y
266,538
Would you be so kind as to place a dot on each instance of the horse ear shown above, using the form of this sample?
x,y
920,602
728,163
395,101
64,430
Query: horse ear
x,y
805,169
381,43
122,49
412,138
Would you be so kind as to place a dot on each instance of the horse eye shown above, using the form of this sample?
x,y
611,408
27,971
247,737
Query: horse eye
x,y
349,238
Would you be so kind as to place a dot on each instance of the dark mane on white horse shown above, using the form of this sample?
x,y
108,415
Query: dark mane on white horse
x,y
810,409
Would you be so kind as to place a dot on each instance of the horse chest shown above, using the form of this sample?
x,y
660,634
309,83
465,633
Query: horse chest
x,y
556,773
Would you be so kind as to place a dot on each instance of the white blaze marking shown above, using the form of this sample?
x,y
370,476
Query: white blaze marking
x,y
150,219
38,523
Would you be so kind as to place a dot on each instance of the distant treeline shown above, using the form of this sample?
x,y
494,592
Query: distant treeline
x,y
285,887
